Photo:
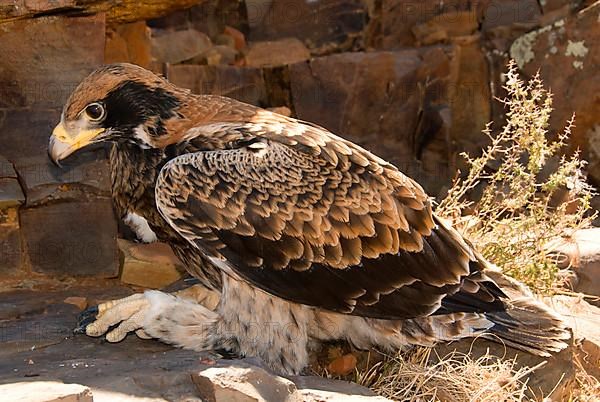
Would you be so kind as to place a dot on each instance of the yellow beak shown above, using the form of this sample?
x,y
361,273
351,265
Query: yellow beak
x,y
62,143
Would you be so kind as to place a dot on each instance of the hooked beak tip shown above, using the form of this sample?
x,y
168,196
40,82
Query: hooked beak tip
x,y
56,149
55,162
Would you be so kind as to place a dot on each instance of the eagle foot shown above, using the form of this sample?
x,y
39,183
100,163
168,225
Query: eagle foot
x,y
116,318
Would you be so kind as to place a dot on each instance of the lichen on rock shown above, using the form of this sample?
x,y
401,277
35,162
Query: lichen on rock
x,y
522,48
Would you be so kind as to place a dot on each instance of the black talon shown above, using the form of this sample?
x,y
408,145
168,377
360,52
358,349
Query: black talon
x,y
227,354
85,318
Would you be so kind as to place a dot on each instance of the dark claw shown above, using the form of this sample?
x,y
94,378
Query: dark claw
x,y
85,318
227,354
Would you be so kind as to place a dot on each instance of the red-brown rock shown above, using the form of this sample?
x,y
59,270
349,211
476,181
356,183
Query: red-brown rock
x,y
211,17
239,40
402,23
218,55
118,12
498,13
245,84
395,104
471,98
324,26
276,53
129,43
178,46
66,50
343,365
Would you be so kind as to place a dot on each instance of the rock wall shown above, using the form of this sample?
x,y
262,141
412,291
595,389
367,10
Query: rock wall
x,y
412,81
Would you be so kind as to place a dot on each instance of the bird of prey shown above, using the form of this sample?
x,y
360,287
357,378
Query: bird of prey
x,y
303,236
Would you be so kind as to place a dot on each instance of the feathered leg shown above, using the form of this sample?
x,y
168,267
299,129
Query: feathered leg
x,y
132,312
247,321
155,314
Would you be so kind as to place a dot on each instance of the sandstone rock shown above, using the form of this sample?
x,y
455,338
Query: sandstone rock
x,y
471,98
240,381
38,342
11,194
72,238
225,40
211,17
283,110
276,53
129,43
566,53
116,12
399,24
552,5
245,84
150,265
7,170
10,241
45,391
445,26
239,40
584,319
511,12
48,84
324,26
80,176
396,104
78,301
115,48
318,389
581,253
26,9
218,55
175,47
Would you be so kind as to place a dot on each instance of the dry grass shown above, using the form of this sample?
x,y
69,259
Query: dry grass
x,y
587,387
411,376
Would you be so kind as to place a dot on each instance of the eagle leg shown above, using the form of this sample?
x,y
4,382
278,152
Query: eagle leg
x,y
97,320
169,318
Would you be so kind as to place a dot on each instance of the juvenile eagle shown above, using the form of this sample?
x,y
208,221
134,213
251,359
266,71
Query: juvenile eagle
x,y
305,236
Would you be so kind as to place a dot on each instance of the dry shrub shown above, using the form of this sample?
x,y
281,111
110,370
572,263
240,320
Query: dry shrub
x,y
530,195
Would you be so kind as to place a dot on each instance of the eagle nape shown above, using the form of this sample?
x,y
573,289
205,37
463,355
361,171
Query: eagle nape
x,y
296,235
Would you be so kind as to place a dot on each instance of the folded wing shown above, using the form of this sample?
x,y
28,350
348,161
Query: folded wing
x,y
317,220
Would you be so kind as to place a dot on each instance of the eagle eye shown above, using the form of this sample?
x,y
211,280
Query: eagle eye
x,y
95,111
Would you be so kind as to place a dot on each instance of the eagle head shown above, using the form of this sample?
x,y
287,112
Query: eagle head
x,y
118,103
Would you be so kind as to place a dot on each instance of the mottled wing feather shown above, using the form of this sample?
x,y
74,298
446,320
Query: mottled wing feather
x,y
315,219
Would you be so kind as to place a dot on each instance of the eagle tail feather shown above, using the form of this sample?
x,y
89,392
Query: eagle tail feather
x,y
529,325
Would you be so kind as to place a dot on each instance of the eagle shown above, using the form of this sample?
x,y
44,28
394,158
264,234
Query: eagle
x,y
298,236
